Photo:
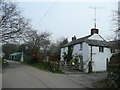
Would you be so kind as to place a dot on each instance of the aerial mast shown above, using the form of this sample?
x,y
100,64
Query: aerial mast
x,y
95,15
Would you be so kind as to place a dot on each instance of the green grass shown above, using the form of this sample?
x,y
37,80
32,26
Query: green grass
x,y
46,66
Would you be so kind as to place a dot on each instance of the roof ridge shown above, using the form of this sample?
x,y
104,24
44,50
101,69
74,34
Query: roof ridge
x,y
79,40
85,37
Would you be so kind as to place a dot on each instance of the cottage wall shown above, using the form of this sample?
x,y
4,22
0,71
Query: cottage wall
x,y
86,57
83,52
66,50
77,51
99,58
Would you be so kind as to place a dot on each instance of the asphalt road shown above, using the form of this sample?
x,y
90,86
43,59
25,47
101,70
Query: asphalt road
x,y
17,75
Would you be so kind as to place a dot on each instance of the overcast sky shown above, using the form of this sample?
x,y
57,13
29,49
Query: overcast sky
x,y
66,19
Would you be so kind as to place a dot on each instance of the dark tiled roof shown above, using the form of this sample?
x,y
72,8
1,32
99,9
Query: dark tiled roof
x,y
115,43
98,43
80,40
90,42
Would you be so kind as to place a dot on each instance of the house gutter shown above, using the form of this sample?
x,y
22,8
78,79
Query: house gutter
x,y
91,53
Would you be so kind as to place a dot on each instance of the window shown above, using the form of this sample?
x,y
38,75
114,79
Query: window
x,y
81,46
112,50
101,49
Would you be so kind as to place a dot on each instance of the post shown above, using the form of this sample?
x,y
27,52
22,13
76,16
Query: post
x,y
107,64
22,57
47,58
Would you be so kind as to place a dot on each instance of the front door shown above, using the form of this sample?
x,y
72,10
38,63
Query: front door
x,y
90,67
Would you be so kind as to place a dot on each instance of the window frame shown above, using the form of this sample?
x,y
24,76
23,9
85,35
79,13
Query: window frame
x,y
81,46
101,49
112,50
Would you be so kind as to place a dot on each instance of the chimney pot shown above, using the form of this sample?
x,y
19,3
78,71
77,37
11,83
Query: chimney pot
x,y
74,38
94,31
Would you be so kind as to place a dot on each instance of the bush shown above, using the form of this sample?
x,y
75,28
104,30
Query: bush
x,y
4,62
44,65
114,71
32,60
52,67
74,60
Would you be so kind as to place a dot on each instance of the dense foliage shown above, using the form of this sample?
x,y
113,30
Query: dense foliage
x,y
45,65
114,71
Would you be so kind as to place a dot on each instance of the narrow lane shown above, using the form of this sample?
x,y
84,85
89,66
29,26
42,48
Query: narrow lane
x,y
17,75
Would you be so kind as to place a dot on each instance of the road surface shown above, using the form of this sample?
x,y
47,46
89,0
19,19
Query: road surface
x,y
17,75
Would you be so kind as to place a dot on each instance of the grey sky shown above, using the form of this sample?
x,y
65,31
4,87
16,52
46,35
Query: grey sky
x,y
66,19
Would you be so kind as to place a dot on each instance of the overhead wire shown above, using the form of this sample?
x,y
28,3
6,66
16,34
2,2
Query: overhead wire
x,y
46,13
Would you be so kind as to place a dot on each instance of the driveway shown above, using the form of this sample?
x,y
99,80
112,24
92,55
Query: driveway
x,y
17,75
85,80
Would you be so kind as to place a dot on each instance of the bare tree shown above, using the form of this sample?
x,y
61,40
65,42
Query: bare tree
x,y
116,23
38,40
54,48
12,24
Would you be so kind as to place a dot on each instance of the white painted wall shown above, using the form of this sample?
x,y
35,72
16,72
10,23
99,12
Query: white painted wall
x,y
84,52
96,37
99,58
77,51
86,56
66,50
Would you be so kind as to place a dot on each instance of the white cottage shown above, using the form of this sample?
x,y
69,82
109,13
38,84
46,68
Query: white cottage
x,y
94,49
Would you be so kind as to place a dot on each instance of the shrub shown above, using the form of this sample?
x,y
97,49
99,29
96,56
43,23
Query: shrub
x,y
52,67
45,65
114,71
32,60
4,62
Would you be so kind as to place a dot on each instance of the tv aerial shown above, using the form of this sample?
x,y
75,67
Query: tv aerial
x,y
95,13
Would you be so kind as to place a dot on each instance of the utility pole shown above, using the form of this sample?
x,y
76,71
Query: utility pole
x,y
95,13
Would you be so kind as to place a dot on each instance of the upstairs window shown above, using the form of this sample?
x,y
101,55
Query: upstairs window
x,y
101,49
81,46
112,50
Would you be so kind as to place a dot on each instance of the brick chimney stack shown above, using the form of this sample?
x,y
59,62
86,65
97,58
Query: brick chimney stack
x,y
74,38
94,31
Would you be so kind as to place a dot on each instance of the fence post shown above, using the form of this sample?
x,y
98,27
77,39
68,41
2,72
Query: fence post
x,y
47,58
